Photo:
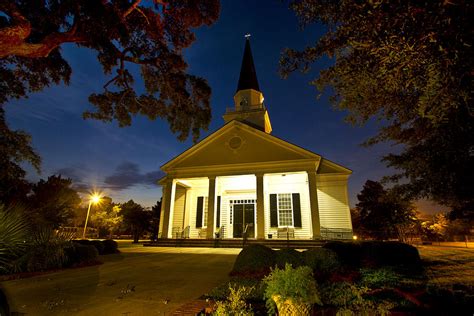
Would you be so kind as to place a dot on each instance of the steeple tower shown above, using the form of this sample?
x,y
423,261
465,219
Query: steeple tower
x,y
248,99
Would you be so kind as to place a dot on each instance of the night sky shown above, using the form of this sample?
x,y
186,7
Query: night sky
x,y
124,163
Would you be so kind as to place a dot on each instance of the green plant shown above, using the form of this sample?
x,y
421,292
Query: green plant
x,y
255,260
377,278
322,261
221,292
288,255
295,285
13,234
349,300
235,303
45,251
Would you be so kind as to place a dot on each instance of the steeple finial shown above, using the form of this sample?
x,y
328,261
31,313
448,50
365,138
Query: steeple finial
x,y
248,75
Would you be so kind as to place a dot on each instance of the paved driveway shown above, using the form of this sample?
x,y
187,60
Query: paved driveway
x,y
138,281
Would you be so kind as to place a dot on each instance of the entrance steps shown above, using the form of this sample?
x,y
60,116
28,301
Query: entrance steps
x,y
235,243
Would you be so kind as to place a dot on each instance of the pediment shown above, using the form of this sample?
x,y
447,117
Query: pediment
x,y
238,143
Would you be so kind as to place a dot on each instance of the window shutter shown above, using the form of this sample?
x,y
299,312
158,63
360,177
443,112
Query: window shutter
x,y
273,211
218,211
296,210
199,211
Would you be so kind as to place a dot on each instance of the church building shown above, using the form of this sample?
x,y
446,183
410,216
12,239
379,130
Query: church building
x,y
243,182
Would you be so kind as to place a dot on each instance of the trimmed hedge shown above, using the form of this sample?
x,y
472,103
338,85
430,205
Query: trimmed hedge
x,y
389,253
80,253
349,253
288,255
375,253
99,245
110,246
322,261
104,247
254,260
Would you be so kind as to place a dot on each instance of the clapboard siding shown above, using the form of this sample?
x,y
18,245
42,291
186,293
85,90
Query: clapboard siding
x,y
333,205
194,193
179,204
290,183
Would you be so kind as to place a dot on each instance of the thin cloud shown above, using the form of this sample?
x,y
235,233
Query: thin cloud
x,y
128,174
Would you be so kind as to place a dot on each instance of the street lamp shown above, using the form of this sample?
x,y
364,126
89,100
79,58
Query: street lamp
x,y
95,198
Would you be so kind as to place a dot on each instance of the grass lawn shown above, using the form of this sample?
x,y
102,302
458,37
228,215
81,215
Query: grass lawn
x,y
138,281
446,266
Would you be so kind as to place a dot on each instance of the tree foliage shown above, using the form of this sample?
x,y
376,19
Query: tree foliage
x,y
155,219
53,202
107,215
382,214
135,218
151,35
408,64
15,148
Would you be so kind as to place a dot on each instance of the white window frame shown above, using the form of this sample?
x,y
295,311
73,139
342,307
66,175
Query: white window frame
x,y
291,209
205,213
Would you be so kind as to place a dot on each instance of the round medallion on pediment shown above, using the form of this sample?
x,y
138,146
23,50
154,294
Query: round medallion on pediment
x,y
235,142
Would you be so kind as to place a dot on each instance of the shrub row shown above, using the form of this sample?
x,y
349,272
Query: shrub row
x,y
257,260
78,254
104,247
375,253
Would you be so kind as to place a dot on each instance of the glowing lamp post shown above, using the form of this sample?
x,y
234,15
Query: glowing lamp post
x,y
95,198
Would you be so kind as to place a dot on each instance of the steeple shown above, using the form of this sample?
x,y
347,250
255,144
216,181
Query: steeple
x,y
248,99
248,75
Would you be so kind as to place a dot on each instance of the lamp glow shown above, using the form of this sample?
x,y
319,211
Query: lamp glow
x,y
354,237
94,199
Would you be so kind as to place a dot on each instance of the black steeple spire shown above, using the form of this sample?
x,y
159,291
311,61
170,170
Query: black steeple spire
x,y
248,75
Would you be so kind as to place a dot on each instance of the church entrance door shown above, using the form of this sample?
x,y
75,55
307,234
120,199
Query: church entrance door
x,y
244,218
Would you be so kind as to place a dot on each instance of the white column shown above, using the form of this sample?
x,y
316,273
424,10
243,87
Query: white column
x,y
313,198
211,201
260,207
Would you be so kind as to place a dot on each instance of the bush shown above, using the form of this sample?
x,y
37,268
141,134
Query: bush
x,y
110,246
376,254
378,278
295,285
350,300
235,303
85,242
46,251
254,260
391,253
288,255
322,261
349,253
99,245
79,253
222,291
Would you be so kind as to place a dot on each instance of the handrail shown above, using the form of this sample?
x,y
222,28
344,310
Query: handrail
x,y
244,235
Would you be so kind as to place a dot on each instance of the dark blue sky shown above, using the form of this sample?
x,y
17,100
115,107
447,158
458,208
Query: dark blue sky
x,y
124,162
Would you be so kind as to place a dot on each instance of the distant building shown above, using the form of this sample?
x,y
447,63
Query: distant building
x,y
242,180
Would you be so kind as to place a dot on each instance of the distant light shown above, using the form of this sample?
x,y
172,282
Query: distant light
x,y
354,237
95,198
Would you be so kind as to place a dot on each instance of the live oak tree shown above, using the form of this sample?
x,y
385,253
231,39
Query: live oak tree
x,y
408,64
14,148
123,33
